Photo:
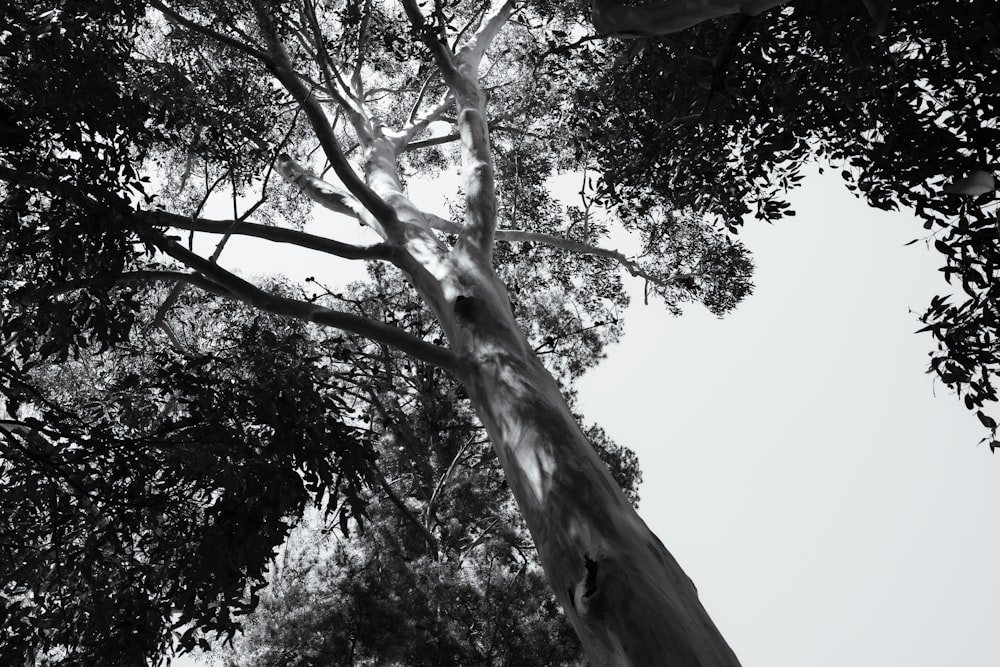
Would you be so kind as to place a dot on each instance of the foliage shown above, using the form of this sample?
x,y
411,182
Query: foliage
x,y
172,471
146,488
156,448
719,119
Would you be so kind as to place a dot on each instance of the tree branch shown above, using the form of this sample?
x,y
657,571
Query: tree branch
x,y
429,511
448,138
420,97
612,17
720,64
477,172
359,60
177,277
461,76
302,310
431,540
326,194
473,50
440,51
282,69
378,251
214,35
427,143
426,119
335,84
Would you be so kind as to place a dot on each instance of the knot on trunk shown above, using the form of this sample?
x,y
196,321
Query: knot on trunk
x,y
467,309
587,588
474,313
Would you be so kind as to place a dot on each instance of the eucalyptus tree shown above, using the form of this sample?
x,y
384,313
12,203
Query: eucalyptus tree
x,y
122,119
194,96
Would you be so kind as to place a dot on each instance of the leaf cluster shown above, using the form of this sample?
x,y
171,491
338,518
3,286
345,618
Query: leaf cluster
x,y
145,489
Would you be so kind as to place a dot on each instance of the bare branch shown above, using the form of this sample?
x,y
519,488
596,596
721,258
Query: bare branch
x,y
384,483
177,277
159,320
461,76
359,61
429,511
448,138
427,143
277,234
236,287
482,536
335,84
426,119
420,97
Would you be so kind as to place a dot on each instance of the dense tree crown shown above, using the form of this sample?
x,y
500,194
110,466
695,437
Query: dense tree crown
x,y
166,420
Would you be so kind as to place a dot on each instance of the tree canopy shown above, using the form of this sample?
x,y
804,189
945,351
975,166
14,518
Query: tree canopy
x,y
166,420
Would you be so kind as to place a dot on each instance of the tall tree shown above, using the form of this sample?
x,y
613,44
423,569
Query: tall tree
x,y
122,118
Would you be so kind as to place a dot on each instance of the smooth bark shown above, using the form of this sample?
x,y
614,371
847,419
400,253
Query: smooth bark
x,y
625,595
627,598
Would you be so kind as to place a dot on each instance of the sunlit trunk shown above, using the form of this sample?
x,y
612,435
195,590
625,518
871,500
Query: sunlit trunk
x,y
626,596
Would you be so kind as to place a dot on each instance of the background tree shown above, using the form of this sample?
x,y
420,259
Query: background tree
x,y
145,489
205,98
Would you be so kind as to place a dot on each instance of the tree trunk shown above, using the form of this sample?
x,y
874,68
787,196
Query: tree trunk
x,y
626,596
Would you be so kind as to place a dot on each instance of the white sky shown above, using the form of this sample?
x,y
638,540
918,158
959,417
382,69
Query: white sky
x,y
831,510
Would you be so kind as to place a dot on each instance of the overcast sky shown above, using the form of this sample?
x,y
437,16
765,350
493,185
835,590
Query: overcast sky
x,y
829,507
831,510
